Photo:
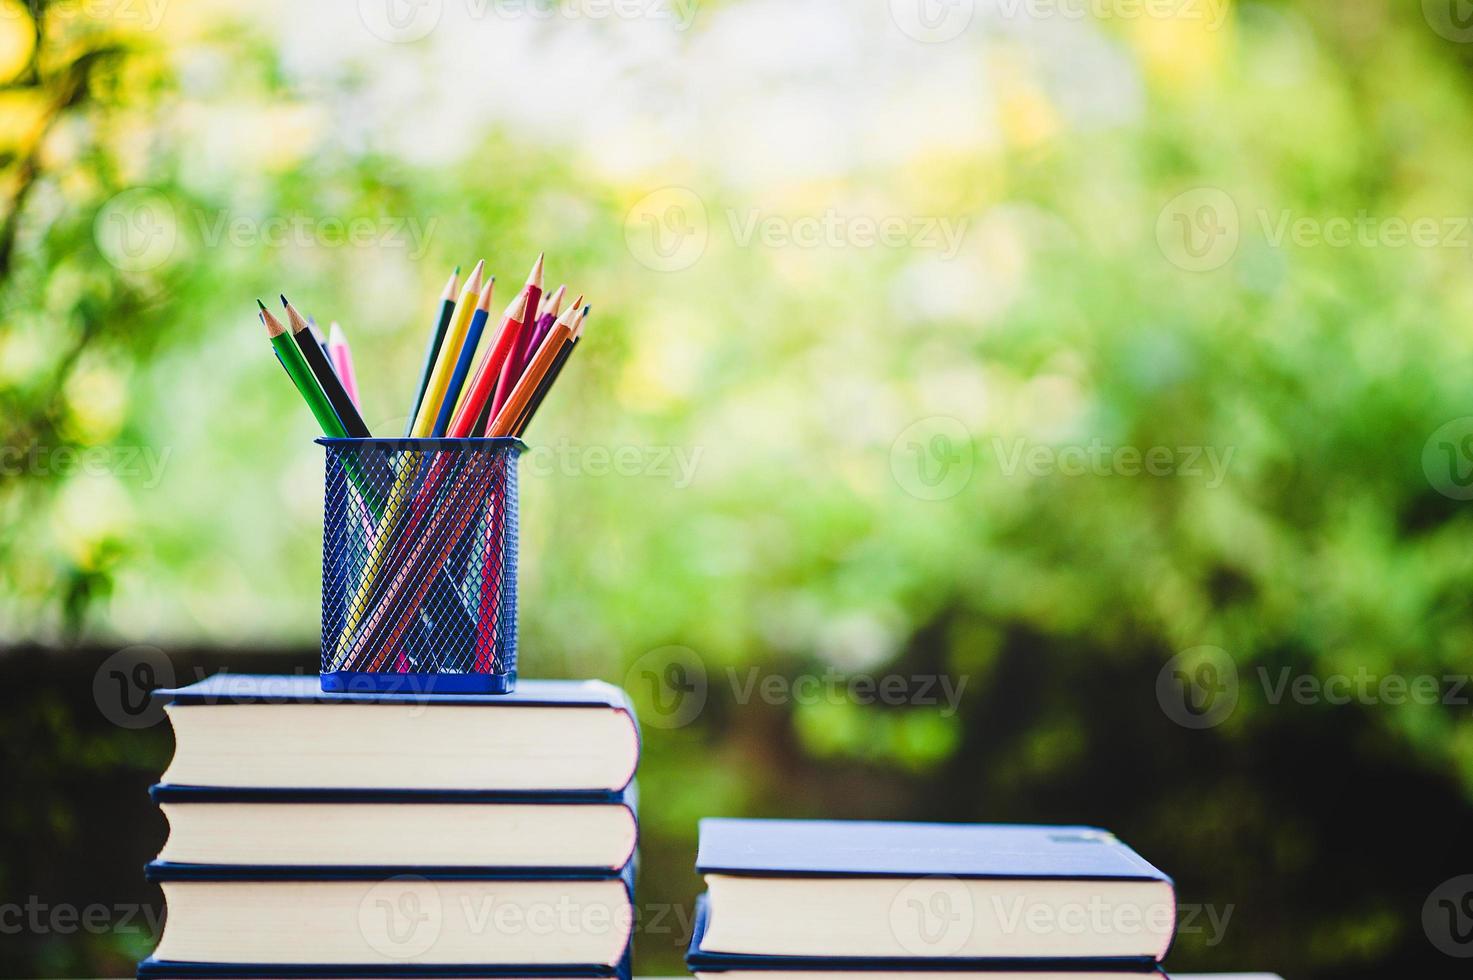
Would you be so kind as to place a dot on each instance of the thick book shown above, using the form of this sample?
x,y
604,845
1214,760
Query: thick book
x,y
249,731
396,831
348,920
914,891
728,966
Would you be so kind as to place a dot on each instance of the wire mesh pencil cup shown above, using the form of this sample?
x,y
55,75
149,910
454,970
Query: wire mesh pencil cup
x,y
419,565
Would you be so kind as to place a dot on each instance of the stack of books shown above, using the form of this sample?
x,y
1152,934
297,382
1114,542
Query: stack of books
x,y
822,900
318,834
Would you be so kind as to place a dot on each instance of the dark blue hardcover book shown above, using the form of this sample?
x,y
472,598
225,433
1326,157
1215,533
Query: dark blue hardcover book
x,y
164,871
276,733
861,848
228,688
170,793
399,831
920,891
699,961
152,969
333,921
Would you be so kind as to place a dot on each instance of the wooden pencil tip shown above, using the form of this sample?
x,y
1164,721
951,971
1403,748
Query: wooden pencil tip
x,y
456,272
485,301
335,334
518,308
474,282
534,278
261,304
283,299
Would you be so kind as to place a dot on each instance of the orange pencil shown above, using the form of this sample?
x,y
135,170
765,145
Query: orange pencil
x,y
506,417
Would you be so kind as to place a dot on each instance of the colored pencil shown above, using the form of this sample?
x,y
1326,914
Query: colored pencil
x,y
312,352
547,317
521,395
432,350
475,402
465,308
516,362
341,355
553,303
550,379
301,374
464,361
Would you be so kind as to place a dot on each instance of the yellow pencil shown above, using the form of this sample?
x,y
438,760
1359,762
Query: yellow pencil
x,y
465,308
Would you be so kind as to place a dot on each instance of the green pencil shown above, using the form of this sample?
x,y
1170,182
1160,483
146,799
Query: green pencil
x,y
432,351
301,375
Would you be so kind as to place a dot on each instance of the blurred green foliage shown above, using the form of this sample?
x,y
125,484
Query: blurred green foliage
x,y
857,419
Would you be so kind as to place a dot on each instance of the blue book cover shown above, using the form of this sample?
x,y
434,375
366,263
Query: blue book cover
x,y
161,871
858,848
628,797
152,969
697,959
228,688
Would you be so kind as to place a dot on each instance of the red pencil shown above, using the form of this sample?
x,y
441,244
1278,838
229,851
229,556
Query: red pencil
x,y
511,371
478,395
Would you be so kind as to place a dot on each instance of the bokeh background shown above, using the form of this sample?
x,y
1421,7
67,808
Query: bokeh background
x,y
1037,410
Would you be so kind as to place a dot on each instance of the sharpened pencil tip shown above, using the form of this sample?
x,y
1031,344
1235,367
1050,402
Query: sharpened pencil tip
x,y
283,299
534,278
474,282
518,309
456,272
261,305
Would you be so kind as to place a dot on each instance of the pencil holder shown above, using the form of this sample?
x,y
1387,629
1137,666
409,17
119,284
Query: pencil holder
x,y
419,565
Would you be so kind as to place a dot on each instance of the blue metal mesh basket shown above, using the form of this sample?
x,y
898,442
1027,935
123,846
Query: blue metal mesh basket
x,y
419,565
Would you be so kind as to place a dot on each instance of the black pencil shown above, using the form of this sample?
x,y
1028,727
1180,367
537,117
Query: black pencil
x,y
326,376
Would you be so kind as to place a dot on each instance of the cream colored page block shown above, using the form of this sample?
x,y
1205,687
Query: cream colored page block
x,y
399,920
403,746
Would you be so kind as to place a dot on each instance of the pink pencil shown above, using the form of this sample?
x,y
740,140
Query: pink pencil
x,y
342,361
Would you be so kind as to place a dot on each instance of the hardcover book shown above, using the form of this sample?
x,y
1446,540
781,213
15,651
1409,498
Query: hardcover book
x,y
268,732
856,890
323,920
395,831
